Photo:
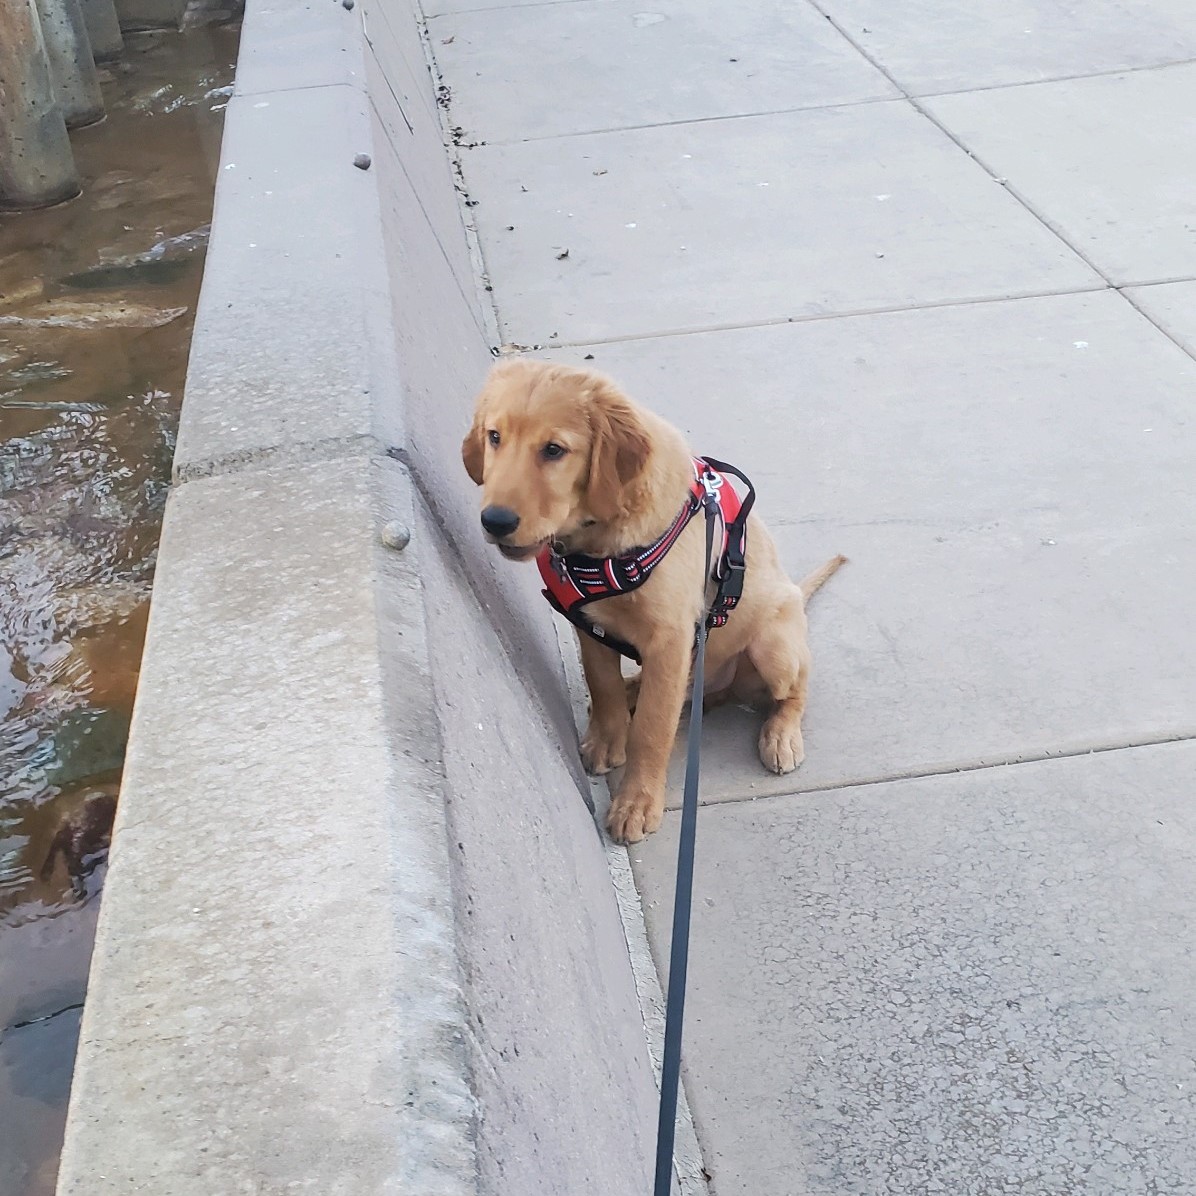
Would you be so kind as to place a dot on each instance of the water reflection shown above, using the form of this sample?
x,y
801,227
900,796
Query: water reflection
x,y
96,307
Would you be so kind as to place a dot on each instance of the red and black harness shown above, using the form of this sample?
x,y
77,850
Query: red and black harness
x,y
573,580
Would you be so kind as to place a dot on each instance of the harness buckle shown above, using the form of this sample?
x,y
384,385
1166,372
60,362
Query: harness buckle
x,y
559,566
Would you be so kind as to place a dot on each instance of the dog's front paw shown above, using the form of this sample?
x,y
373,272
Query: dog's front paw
x,y
603,748
635,812
781,746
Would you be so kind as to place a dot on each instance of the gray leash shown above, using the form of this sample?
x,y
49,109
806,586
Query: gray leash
x,y
670,1070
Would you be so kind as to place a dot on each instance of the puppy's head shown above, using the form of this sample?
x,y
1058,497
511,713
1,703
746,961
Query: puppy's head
x,y
555,449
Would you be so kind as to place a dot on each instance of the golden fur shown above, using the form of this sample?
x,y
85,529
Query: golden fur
x,y
620,481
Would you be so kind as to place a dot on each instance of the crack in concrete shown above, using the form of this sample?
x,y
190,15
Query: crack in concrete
x,y
334,448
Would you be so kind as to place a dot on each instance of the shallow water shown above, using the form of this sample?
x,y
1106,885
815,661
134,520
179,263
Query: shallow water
x,y
97,301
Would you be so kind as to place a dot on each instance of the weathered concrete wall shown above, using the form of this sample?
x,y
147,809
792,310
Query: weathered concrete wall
x,y
444,344
358,934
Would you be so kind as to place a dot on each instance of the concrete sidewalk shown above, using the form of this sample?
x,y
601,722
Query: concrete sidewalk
x,y
928,273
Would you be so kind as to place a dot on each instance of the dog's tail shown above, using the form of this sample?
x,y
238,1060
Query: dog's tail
x,y
814,581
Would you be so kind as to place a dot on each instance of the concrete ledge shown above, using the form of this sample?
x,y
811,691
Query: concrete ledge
x,y
295,289
274,999
358,934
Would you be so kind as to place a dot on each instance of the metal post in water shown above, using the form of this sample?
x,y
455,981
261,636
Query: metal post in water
x,y
103,29
36,165
150,14
72,68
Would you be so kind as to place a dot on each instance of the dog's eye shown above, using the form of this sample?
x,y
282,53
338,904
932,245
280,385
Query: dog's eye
x,y
494,437
553,451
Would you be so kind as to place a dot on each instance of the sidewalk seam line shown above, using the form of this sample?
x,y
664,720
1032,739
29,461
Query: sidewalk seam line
x,y
820,317
1102,74
915,774
686,120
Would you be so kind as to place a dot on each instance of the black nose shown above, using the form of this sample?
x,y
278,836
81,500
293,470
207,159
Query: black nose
x,y
499,521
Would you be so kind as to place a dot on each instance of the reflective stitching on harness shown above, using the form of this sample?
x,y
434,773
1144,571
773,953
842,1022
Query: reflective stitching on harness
x,y
574,580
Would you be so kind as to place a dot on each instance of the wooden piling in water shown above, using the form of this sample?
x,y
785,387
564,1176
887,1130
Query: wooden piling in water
x,y
72,68
103,29
36,165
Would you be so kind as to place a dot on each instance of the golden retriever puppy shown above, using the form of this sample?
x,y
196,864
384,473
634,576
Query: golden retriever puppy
x,y
569,465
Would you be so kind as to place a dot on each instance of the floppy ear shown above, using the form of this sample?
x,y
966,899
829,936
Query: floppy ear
x,y
619,451
473,448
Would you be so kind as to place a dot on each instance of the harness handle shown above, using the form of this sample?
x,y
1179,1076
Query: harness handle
x,y
670,1068
734,558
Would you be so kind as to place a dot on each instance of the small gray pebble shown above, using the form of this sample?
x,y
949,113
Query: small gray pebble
x,y
362,161
347,4
396,535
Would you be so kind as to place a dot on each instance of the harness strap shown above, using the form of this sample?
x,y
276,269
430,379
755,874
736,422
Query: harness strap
x,y
584,625
670,1069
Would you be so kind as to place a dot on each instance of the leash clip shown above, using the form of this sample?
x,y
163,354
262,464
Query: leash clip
x,y
712,483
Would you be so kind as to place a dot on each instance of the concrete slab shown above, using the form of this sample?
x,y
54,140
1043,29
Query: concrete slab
x,y
290,208
1021,552
959,985
521,73
278,882
938,45
1108,162
289,45
745,221
1172,306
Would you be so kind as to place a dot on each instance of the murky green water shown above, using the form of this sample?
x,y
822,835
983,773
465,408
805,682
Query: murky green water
x,y
97,299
